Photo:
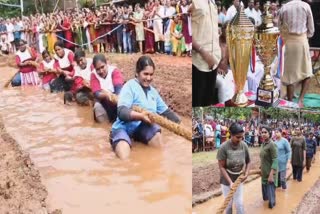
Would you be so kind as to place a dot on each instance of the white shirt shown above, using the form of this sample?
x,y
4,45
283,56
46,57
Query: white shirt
x,y
253,14
106,83
24,55
64,62
84,73
10,29
159,14
259,20
231,12
5,45
208,130
169,11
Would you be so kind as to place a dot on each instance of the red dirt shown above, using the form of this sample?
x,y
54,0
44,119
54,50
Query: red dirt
x,y
21,190
310,202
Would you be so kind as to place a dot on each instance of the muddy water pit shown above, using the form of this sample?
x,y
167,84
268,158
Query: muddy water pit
x,y
77,165
287,200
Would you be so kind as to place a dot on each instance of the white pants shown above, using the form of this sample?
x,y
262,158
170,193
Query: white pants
x,y
237,199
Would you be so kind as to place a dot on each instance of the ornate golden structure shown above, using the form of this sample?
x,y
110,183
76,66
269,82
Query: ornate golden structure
x,y
265,41
240,33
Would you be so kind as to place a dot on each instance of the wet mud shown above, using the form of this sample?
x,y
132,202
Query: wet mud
x,y
21,190
76,163
207,178
287,201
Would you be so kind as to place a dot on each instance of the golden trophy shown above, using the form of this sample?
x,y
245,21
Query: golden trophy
x,y
240,33
265,41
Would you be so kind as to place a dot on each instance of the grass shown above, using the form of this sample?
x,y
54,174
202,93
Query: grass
x,y
205,158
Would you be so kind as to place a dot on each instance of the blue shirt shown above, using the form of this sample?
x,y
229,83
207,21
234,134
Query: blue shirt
x,y
17,34
221,18
3,28
311,148
132,94
199,128
284,153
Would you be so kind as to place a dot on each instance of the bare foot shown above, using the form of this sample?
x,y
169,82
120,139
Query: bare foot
x,y
300,103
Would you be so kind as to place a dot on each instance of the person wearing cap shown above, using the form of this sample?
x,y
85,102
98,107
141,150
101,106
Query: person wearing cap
x,y
269,166
284,155
234,159
311,150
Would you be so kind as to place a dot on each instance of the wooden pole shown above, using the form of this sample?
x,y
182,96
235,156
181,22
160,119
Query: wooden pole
x,y
21,7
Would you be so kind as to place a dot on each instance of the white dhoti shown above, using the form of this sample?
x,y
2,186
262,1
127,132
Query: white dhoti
x,y
158,30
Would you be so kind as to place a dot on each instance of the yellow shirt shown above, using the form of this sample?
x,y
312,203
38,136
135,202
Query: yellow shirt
x,y
205,32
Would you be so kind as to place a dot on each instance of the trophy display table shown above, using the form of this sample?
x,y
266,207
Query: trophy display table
x,y
226,84
252,97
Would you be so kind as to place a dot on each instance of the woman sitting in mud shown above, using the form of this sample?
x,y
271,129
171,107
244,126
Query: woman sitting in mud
x,y
26,61
129,123
48,70
65,58
105,79
81,90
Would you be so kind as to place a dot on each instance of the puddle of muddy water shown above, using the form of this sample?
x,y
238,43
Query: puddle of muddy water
x,y
78,167
286,201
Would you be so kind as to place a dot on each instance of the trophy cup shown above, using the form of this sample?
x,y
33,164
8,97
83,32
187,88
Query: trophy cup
x,y
240,33
265,41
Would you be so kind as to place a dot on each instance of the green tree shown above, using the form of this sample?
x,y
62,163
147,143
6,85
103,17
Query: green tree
x,y
8,11
312,117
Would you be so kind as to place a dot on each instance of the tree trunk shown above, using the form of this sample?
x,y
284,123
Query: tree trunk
x,y
36,5
41,4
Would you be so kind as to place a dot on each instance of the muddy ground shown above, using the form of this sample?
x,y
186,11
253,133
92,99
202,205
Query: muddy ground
x,y
207,177
172,77
21,190
310,202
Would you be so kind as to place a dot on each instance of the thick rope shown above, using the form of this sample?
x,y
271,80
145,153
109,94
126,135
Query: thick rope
x,y
171,126
35,64
234,189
